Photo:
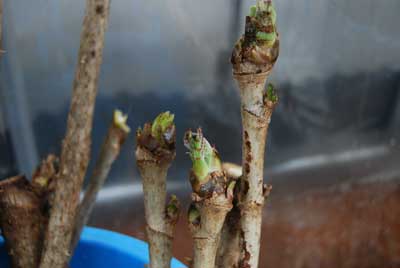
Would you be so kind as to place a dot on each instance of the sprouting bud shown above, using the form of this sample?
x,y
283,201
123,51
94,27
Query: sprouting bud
x,y
258,49
160,134
160,125
204,157
253,11
271,93
120,121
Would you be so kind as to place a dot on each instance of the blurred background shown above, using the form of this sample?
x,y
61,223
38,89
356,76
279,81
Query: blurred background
x,y
333,148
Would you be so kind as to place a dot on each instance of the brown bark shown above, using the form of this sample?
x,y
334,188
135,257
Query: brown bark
x,y
21,222
256,116
76,145
160,224
43,180
110,150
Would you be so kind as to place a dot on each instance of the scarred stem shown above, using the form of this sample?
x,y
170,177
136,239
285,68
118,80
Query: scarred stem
x,y
211,199
21,222
253,58
155,151
76,145
229,249
115,138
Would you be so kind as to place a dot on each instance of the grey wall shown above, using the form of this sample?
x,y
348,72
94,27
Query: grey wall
x,y
338,74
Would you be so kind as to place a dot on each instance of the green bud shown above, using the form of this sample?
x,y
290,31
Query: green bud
x,y
272,13
271,93
161,124
120,121
266,36
204,157
253,11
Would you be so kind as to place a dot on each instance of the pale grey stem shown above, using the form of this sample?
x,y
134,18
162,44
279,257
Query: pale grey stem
x,y
160,223
256,116
206,233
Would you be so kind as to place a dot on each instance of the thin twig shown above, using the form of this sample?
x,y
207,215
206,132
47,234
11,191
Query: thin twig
x,y
21,222
76,145
116,136
155,152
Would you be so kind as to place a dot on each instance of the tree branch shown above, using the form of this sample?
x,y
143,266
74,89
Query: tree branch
x,y
76,145
116,136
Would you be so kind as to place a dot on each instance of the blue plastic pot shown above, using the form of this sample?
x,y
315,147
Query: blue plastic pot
x,y
100,248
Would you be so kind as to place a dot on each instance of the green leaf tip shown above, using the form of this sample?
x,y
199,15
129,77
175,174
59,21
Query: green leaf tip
x,y
266,36
120,119
253,11
265,14
204,157
271,93
161,124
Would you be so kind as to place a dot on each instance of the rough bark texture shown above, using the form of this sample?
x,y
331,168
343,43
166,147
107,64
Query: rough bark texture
x,y
206,230
108,154
160,226
76,145
256,116
21,222
43,180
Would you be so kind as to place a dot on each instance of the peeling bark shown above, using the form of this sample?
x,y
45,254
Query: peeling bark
x,y
253,57
21,222
256,116
76,145
229,247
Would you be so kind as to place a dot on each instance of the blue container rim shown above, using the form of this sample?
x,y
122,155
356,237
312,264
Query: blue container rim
x,y
119,242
